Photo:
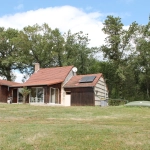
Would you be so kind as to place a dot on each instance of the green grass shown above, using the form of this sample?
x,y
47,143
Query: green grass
x,y
25,127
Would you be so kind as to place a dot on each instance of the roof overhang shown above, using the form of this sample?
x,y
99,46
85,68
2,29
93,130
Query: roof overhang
x,y
38,83
3,84
71,87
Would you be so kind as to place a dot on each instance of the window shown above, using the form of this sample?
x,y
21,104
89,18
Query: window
x,y
20,96
37,95
54,95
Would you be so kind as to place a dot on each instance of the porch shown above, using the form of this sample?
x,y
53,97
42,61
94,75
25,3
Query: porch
x,y
39,95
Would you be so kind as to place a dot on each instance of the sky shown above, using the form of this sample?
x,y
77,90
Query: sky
x,y
75,15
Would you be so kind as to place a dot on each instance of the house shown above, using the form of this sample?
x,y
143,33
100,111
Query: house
x,y
5,90
88,90
46,85
60,86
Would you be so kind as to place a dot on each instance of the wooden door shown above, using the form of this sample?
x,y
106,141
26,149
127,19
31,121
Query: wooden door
x,y
14,95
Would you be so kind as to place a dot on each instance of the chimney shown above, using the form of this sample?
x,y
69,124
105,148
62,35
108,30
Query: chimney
x,y
37,67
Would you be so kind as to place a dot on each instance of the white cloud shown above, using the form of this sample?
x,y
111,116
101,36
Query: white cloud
x,y
64,18
19,76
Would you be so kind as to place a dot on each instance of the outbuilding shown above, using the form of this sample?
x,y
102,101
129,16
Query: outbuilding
x,y
87,90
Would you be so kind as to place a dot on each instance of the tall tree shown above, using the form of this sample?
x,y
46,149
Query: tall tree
x,y
39,44
142,58
8,52
58,48
77,51
118,42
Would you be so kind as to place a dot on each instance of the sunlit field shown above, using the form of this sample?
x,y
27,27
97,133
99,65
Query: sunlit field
x,y
26,127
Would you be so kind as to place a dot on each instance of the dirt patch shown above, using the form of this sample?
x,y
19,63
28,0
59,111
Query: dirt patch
x,y
11,119
2,108
32,139
75,119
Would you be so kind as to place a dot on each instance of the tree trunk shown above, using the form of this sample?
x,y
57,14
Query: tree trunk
x,y
24,99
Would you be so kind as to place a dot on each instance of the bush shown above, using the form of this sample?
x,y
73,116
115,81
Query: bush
x,y
116,102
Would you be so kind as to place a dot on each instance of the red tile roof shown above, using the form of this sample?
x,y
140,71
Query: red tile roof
x,y
74,81
38,83
48,76
7,83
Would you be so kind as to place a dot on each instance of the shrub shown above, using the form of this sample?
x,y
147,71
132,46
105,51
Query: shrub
x,y
116,102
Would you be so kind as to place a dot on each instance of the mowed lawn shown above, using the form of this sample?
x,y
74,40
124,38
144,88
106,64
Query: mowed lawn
x,y
26,127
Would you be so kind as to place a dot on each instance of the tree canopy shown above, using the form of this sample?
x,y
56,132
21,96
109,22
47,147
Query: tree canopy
x,y
126,67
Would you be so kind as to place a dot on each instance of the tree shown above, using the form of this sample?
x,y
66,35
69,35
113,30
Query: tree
x,y
118,43
39,44
58,48
77,52
142,58
8,52
25,92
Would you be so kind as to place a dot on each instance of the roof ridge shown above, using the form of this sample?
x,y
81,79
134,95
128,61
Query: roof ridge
x,y
50,74
89,74
56,67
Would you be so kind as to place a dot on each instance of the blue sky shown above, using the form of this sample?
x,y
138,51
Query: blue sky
x,y
75,15
128,10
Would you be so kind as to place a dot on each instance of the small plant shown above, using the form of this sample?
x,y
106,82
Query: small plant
x,y
25,92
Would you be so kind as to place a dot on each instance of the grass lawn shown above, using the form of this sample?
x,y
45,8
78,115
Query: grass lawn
x,y
26,127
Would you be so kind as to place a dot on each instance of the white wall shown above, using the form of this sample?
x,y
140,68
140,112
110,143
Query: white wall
x,y
63,93
67,100
101,92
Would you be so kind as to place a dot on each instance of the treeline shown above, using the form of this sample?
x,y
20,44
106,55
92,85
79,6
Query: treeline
x,y
125,63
